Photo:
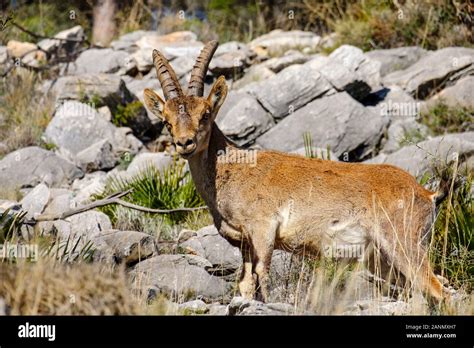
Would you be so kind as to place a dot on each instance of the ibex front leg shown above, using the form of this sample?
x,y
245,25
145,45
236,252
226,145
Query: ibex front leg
x,y
263,243
247,282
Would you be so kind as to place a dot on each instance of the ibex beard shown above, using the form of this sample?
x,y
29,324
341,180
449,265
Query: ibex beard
x,y
290,202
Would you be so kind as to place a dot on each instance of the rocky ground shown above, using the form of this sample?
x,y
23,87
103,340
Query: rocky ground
x,y
358,106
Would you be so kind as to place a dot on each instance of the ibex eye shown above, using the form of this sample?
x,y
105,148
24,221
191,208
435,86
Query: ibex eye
x,y
206,115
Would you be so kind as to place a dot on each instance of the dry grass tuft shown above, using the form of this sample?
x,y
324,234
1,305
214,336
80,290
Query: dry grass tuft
x,y
51,288
24,111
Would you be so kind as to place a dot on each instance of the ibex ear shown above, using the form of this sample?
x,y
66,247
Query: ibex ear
x,y
217,94
153,102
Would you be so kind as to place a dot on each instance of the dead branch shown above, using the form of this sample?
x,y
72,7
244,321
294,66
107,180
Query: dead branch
x,y
38,36
53,63
112,199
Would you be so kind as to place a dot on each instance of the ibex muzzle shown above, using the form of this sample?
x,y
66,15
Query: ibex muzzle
x,y
290,202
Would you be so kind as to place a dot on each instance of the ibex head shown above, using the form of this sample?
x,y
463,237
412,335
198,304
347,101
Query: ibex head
x,y
188,117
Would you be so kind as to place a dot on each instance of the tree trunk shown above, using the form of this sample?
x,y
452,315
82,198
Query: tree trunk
x,y
103,28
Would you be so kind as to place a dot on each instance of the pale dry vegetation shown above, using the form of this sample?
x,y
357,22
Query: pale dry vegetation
x,y
52,288
24,110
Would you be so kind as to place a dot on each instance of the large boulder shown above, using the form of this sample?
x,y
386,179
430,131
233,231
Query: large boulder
x,y
97,61
89,185
396,104
60,201
20,49
99,155
36,200
401,132
278,42
128,247
276,64
396,58
55,46
337,121
30,166
158,160
420,158
180,277
76,127
209,244
230,64
254,74
434,71
341,77
177,44
137,86
28,52
242,118
104,89
290,89
355,60
127,41
230,59
242,306
382,306
80,228
460,94
182,66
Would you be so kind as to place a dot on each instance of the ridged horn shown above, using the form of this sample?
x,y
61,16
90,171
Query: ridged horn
x,y
167,76
196,83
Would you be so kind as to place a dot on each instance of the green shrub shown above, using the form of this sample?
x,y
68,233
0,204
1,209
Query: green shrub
x,y
310,151
125,113
453,250
10,224
46,18
172,188
385,24
442,118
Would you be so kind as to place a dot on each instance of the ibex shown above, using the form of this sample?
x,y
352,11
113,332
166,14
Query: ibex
x,y
289,202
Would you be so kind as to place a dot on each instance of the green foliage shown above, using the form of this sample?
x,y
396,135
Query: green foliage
x,y
125,159
367,24
10,224
173,188
124,114
70,250
95,101
310,151
458,262
48,146
412,136
47,18
384,24
234,20
442,118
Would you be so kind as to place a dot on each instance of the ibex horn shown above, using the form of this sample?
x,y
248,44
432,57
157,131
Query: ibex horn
x,y
196,83
167,76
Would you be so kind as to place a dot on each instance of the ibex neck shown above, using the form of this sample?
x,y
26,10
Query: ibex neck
x,y
203,165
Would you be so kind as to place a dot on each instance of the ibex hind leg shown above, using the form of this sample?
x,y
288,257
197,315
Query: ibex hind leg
x,y
413,262
389,280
